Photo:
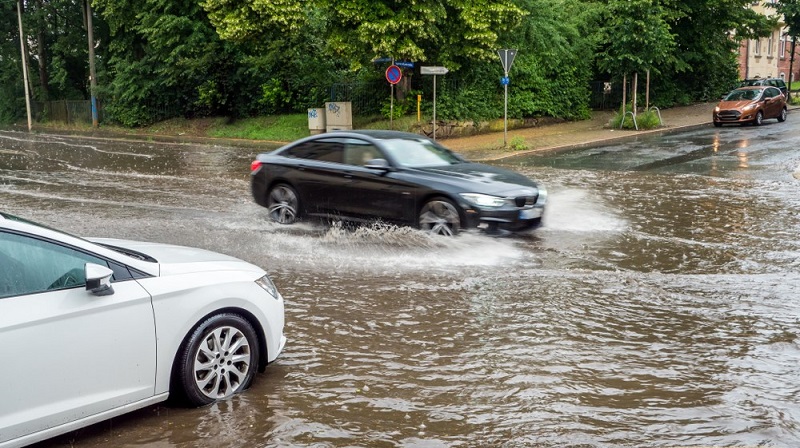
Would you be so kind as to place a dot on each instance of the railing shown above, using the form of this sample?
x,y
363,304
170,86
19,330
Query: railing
x,y
65,111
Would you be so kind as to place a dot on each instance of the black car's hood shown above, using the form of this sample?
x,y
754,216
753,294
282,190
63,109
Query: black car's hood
x,y
480,178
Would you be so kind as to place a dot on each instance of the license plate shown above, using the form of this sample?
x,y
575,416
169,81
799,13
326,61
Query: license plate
x,y
530,213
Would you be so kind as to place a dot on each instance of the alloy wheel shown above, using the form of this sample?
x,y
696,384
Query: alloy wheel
x,y
282,204
222,362
440,217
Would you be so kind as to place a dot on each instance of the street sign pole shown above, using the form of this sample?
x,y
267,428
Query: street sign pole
x,y
391,104
434,107
433,70
506,58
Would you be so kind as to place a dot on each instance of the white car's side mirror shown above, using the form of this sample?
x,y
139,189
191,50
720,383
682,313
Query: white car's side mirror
x,y
98,279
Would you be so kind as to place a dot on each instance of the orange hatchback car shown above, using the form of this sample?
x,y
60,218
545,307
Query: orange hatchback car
x,y
752,104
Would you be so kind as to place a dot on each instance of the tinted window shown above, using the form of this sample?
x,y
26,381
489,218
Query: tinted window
x,y
29,265
771,92
327,150
358,152
419,153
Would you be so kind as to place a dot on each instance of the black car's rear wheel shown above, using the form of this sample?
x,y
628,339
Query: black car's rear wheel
x,y
440,216
282,204
782,116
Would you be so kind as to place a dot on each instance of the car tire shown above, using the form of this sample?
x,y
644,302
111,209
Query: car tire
x,y
282,204
218,359
717,124
782,116
759,118
439,216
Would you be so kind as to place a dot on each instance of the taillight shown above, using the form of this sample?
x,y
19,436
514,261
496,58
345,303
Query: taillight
x,y
254,165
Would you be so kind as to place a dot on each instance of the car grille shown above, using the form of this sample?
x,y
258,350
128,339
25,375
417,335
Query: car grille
x,y
525,201
729,114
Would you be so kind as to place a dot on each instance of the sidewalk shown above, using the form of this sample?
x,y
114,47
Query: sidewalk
x,y
567,135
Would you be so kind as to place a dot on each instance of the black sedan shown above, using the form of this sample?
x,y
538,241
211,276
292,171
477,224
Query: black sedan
x,y
394,177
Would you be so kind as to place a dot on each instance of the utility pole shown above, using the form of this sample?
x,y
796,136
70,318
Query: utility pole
x,y
24,65
92,75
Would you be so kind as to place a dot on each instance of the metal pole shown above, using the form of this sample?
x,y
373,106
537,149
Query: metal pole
x,y
505,113
24,65
434,107
92,75
391,104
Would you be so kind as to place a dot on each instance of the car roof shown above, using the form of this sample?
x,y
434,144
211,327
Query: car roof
x,y
377,134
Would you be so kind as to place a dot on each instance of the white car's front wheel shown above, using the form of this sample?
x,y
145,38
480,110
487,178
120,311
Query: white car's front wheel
x,y
219,359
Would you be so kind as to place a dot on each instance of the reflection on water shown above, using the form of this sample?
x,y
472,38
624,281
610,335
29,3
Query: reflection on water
x,y
654,308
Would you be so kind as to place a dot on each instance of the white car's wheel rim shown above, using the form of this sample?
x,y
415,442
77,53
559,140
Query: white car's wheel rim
x,y
222,362
282,205
439,218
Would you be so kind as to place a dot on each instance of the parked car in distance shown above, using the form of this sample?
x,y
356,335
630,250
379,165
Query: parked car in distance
x,y
778,83
91,329
752,104
396,177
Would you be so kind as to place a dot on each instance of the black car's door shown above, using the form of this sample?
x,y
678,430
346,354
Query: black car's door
x,y
318,174
372,192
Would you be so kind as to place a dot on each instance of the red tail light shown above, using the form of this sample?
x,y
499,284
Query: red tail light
x,y
254,165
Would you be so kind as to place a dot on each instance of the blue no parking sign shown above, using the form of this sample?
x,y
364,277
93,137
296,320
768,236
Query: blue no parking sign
x,y
394,74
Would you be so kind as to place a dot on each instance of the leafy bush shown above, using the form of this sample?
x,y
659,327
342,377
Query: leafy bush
x,y
644,120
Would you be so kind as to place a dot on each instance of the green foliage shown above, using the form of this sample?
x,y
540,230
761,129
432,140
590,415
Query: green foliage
x,y
287,127
518,143
644,120
789,10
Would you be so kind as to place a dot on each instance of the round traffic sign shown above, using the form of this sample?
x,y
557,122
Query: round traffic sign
x,y
394,74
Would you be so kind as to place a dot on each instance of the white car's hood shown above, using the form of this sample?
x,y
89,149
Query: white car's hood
x,y
173,259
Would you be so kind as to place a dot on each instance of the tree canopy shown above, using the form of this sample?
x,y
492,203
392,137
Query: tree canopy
x,y
163,58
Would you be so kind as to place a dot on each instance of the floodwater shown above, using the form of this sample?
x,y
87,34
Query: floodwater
x,y
658,306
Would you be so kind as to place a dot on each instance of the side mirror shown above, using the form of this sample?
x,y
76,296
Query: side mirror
x,y
98,279
377,164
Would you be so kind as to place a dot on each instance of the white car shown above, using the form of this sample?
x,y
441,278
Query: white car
x,y
91,329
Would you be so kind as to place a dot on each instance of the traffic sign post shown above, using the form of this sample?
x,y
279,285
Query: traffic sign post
x,y
506,58
433,71
393,75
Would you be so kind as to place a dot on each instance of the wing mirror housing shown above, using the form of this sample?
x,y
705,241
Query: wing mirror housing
x,y
378,164
98,279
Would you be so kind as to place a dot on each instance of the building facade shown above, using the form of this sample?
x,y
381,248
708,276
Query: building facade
x,y
769,57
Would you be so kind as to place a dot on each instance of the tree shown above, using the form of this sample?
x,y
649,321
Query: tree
x,y
790,10
447,32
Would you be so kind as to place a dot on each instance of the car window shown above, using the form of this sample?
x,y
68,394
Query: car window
x,y
740,95
326,150
771,92
29,265
358,152
419,153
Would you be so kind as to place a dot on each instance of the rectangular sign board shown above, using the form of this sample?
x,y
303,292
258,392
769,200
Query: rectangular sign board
x,y
433,70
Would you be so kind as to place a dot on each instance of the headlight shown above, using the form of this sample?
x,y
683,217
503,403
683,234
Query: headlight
x,y
542,195
483,200
716,109
268,286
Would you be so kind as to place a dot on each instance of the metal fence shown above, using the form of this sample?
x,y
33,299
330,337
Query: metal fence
x,y
65,111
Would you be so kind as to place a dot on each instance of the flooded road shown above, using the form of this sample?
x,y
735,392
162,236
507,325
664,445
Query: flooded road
x,y
658,306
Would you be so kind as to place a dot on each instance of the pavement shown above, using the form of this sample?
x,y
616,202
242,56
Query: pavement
x,y
574,134
489,146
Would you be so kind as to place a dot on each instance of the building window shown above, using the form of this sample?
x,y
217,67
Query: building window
x,y
783,76
782,48
769,44
757,47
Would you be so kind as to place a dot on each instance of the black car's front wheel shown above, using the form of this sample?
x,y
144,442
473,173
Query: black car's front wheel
x,y
282,204
440,216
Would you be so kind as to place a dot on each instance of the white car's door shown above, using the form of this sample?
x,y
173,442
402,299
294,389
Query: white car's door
x,y
68,353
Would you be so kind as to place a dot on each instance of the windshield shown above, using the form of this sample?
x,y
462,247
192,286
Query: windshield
x,y
751,82
742,95
419,153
